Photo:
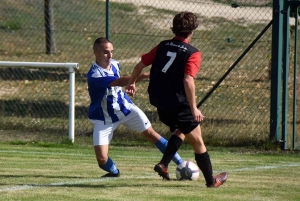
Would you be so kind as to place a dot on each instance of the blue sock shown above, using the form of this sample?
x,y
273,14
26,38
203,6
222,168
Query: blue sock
x,y
161,144
109,166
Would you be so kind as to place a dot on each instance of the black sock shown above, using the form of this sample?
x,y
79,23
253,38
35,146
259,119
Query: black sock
x,y
204,163
173,145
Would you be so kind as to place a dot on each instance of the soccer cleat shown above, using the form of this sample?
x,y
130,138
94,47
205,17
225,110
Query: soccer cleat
x,y
110,174
219,180
162,171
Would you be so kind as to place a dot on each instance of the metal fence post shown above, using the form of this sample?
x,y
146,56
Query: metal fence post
x,y
295,77
276,63
107,22
285,73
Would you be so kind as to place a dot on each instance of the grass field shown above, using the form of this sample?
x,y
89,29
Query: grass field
x,y
39,170
35,165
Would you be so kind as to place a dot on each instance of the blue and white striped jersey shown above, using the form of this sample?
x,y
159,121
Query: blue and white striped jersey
x,y
108,104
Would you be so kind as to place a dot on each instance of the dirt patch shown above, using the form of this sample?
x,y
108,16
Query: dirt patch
x,y
8,91
209,9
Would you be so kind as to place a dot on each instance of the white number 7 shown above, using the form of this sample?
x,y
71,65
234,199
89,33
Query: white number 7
x,y
167,66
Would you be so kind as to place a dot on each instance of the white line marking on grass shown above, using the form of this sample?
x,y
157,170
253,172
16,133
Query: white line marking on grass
x,y
16,188
28,186
154,175
266,167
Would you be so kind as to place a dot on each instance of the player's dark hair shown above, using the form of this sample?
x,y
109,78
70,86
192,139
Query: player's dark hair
x,y
99,41
184,24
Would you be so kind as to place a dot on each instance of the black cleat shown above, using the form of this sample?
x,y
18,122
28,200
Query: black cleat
x,y
110,174
219,180
162,171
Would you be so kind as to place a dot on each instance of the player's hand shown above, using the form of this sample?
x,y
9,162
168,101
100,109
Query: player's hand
x,y
130,89
198,116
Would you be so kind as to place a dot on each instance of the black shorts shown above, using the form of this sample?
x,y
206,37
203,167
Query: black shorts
x,y
181,119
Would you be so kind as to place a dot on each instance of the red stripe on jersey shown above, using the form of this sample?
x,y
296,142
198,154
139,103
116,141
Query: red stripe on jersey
x,y
149,57
192,66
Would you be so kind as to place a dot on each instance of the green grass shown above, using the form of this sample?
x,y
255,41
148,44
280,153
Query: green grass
x,y
47,171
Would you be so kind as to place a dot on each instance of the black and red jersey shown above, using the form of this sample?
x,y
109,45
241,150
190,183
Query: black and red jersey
x,y
171,60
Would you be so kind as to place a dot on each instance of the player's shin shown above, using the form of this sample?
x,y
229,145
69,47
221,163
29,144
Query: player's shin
x,y
173,145
162,144
204,163
109,166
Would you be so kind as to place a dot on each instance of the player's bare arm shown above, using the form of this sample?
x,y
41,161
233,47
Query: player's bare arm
x,y
189,86
123,81
130,88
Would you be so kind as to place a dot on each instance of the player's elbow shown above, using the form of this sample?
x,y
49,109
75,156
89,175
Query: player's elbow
x,y
140,66
187,80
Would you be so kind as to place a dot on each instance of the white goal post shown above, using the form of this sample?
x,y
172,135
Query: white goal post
x,y
71,67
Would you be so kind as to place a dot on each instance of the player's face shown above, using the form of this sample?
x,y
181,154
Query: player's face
x,y
104,54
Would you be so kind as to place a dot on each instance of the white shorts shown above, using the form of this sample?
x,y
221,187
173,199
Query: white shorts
x,y
136,120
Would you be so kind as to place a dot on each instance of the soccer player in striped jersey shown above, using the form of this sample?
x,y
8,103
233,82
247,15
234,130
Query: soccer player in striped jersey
x,y
110,106
175,64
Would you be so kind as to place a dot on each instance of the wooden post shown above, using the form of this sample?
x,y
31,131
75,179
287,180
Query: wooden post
x,y
49,27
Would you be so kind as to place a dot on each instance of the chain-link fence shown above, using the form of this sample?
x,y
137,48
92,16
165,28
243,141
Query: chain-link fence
x,y
36,99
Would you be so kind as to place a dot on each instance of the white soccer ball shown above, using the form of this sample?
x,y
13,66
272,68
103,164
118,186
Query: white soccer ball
x,y
187,170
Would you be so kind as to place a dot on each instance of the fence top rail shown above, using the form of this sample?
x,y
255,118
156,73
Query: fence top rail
x,y
38,64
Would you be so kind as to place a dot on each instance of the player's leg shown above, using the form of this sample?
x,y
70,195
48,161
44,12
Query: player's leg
x,y
189,128
102,136
138,121
203,160
201,155
174,144
161,143
169,118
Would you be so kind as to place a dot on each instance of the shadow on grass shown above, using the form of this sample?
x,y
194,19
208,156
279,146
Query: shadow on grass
x,y
107,185
39,109
80,185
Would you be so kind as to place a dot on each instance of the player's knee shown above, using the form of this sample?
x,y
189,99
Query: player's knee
x,y
151,135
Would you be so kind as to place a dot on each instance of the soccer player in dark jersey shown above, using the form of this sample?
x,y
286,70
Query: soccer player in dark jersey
x,y
110,107
175,64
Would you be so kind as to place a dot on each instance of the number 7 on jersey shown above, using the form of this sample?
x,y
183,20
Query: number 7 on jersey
x,y
172,56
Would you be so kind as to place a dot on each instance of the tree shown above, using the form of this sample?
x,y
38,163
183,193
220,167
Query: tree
x,y
49,27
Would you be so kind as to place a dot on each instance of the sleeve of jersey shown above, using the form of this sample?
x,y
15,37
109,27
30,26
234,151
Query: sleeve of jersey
x,y
193,64
102,82
149,57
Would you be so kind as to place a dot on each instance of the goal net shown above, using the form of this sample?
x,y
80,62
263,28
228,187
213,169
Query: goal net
x,y
38,95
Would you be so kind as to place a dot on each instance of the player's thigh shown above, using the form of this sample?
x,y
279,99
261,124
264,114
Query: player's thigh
x,y
151,135
136,120
196,141
103,133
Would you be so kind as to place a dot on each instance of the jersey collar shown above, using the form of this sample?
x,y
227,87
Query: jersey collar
x,y
180,39
95,63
